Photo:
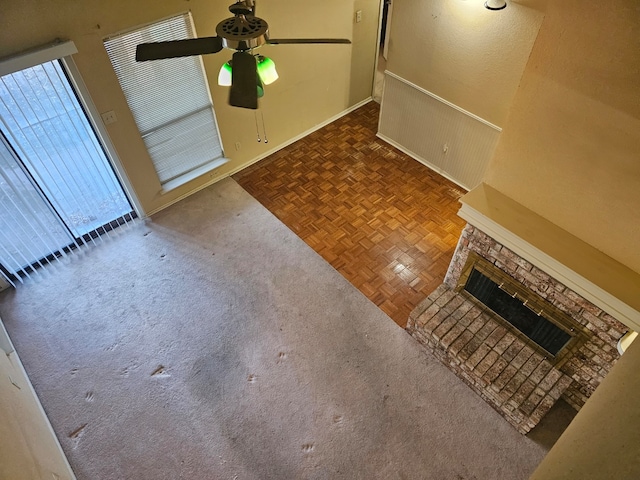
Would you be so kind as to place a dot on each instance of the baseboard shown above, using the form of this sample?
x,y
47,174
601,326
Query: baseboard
x,y
418,158
263,155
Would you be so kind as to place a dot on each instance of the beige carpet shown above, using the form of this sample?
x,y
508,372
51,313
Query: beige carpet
x,y
212,343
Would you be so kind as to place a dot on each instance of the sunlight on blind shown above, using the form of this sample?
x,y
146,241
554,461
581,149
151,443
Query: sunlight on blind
x,y
30,232
57,188
169,99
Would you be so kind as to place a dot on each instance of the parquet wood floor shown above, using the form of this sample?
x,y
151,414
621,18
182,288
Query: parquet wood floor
x,y
386,222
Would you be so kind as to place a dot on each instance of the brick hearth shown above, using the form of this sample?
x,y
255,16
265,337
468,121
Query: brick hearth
x,y
516,380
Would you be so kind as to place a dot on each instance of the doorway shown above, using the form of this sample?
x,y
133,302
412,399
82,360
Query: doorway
x,y
383,49
58,189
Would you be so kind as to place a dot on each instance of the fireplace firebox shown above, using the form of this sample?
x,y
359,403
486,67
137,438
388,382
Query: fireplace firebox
x,y
530,317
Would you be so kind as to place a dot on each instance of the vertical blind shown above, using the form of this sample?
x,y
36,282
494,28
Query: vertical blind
x,y
57,187
169,99
30,231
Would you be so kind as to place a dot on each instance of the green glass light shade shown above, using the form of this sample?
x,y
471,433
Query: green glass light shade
x,y
267,70
260,87
266,74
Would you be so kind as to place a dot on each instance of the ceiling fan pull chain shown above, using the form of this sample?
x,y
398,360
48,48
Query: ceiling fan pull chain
x,y
264,129
255,114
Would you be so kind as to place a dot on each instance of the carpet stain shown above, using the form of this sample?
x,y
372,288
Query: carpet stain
x,y
78,431
160,371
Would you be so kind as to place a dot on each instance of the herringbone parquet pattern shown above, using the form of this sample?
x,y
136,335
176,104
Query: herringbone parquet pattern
x,y
387,223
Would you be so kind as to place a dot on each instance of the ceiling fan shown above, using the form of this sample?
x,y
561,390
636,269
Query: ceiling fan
x,y
243,32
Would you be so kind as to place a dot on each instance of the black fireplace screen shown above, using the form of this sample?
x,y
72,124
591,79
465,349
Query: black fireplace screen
x,y
533,325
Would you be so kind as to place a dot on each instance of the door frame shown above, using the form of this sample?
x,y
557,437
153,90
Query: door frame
x,y
385,49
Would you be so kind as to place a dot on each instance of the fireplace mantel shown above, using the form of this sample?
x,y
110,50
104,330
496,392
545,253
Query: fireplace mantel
x,y
599,278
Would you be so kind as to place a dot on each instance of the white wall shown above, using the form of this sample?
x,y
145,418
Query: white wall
x,y
29,449
471,60
462,52
569,150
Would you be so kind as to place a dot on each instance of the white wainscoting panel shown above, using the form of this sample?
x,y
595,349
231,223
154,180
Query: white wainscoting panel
x,y
446,138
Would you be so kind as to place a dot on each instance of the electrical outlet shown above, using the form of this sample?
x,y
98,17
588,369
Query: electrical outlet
x,y
358,16
109,117
445,148
238,145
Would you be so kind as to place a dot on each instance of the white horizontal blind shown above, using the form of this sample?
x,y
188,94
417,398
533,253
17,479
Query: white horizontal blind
x,y
169,99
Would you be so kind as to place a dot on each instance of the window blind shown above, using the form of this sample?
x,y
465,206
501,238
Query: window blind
x,y
57,188
169,99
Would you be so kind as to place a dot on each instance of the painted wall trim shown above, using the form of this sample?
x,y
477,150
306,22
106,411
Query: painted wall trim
x,y
418,158
440,99
264,155
605,300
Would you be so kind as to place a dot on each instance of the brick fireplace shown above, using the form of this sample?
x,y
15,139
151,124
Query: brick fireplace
x,y
520,379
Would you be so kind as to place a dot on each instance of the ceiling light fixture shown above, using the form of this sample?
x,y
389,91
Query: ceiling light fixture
x,y
266,71
495,4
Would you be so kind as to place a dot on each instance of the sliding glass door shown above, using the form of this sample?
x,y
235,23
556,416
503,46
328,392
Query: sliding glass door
x,y
30,230
57,187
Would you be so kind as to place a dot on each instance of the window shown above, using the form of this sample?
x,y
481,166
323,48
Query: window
x,y
170,101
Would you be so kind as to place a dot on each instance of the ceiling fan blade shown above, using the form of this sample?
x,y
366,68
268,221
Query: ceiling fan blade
x,y
178,48
244,81
285,41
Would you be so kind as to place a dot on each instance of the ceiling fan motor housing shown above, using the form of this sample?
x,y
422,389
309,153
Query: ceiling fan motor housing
x,y
243,32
